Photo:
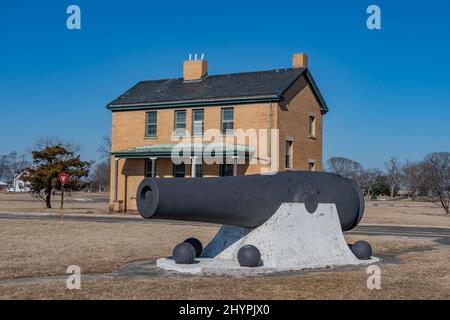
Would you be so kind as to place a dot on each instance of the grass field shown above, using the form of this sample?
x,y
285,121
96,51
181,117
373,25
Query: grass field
x,y
77,202
399,212
411,268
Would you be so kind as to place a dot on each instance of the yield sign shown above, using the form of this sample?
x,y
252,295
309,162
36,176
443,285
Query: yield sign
x,y
63,177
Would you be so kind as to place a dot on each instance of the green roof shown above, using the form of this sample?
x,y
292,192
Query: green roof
x,y
197,149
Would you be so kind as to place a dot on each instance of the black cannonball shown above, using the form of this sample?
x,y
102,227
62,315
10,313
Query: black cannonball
x,y
184,253
197,245
362,250
249,256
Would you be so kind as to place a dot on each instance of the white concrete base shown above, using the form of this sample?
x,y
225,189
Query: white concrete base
x,y
221,267
292,239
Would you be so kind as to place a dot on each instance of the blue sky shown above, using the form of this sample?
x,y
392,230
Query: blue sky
x,y
388,90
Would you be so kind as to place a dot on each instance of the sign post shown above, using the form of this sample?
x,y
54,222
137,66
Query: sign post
x,y
63,177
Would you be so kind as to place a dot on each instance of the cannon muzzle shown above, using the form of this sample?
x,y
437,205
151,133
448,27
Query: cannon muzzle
x,y
248,201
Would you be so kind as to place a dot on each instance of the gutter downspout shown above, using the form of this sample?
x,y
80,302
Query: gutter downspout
x,y
116,179
269,141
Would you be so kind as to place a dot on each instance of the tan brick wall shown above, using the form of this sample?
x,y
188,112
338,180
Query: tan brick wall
x,y
195,69
128,127
293,123
128,131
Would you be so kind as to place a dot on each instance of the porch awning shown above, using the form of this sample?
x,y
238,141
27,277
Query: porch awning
x,y
194,149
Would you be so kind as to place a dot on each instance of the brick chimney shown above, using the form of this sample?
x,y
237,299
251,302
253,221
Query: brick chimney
x,y
195,69
300,60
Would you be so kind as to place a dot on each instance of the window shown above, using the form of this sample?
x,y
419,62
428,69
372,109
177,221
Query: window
x,y
312,126
178,170
180,122
199,171
148,168
288,152
151,124
227,120
226,170
198,123
311,166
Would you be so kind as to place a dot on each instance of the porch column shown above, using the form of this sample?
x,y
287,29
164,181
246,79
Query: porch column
x,y
193,167
153,159
116,179
235,161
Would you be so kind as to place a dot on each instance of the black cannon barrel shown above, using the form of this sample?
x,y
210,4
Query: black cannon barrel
x,y
247,201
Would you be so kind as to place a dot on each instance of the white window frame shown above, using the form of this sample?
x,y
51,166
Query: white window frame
x,y
288,150
223,121
148,124
179,131
197,122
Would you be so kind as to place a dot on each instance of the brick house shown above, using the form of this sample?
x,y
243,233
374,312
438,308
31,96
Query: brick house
x,y
148,119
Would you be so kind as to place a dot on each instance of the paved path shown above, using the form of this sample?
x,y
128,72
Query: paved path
x,y
105,218
407,231
393,230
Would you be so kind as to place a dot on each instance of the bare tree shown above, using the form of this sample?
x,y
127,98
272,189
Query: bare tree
x,y
105,149
345,167
53,141
430,177
101,176
437,177
368,179
393,167
412,178
4,165
18,163
11,165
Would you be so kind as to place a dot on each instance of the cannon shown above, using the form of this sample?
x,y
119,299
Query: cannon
x,y
288,221
248,201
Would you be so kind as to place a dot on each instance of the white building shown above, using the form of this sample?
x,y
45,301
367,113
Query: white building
x,y
19,185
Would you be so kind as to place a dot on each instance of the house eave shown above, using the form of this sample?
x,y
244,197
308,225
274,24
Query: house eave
x,y
192,103
323,105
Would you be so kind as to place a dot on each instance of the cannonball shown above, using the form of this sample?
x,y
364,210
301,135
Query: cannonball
x,y
362,250
184,253
196,244
249,256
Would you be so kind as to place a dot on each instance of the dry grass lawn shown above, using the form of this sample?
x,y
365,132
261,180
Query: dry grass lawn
x,y
77,202
411,268
404,212
33,248
422,275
